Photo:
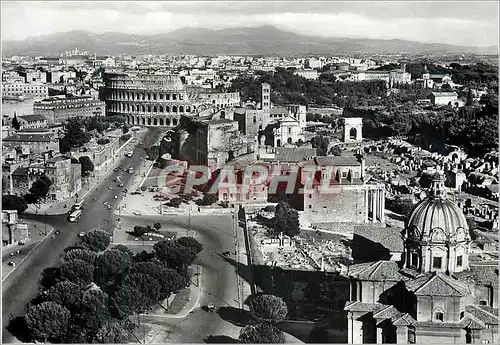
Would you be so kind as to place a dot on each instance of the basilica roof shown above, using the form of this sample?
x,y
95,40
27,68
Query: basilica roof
x,y
377,271
437,284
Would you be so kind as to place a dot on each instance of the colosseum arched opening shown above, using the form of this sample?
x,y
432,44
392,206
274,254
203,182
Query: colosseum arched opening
x,y
161,122
174,122
149,121
168,122
181,109
174,109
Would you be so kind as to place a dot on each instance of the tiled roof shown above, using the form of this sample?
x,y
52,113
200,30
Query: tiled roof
x,y
481,275
472,322
439,324
484,315
377,271
444,94
389,237
279,110
32,118
436,284
20,171
365,307
294,154
388,312
404,320
337,161
28,138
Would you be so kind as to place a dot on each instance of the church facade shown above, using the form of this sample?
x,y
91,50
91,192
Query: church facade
x,y
433,294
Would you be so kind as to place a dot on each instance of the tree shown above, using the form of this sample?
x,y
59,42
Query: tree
x,y
75,134
122,248
77,271
15,122
47,321
268,308
80,254
174,254
286,220
157,226
175,202
168,279
109,263
154,153
190,242
320,143
87,165
95,310
30,198
208,199
139,293
41,187
66,294
96,240
261,333
14,202
112,333
470,98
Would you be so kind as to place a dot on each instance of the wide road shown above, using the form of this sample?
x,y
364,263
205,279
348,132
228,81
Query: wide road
x,y
218,279
22,285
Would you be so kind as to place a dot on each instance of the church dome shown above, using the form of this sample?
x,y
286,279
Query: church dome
x,y
436,218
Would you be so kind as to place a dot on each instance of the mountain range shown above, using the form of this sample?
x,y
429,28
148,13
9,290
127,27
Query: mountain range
x,y
262,40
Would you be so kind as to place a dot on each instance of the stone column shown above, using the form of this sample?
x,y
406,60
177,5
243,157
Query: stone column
x,y
379,205
374,205
382,219
402,335
367,206
379,335
350,329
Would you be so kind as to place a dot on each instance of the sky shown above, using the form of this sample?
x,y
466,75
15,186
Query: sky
x,y
471,23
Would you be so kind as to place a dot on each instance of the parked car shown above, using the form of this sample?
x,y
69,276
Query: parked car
x,y
81,234
57,232
137,213
21,243
12,263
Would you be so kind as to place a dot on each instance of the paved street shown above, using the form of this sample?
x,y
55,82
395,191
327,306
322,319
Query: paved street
x,y
219,279
22,285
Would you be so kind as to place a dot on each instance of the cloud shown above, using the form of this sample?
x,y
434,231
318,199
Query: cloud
x,y
440,22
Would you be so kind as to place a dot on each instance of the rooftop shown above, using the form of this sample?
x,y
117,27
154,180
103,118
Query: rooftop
x,y
337,161
437,284
32,118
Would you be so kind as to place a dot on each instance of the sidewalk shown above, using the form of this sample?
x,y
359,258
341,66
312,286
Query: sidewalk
x,y
57,208
36,238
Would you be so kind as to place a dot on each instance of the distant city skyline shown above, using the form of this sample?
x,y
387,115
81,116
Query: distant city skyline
x,y
472,23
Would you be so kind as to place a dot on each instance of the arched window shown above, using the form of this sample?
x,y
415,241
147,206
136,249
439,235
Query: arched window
x,y
149,108
168,122
155,122
161,108
167,109
438,315
174,97
181,109
174,122
174,109
167,97
149,121
353,133
155,109
161,122
149,96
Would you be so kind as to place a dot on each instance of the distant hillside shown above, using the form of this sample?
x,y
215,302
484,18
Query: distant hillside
x,y
251,41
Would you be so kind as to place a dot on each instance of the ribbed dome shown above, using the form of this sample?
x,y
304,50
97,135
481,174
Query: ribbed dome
x,y
431,214
437,218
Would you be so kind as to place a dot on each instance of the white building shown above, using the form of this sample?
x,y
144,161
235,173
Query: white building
x,y
443,98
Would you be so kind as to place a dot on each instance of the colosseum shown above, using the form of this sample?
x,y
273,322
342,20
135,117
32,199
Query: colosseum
x,y
157,99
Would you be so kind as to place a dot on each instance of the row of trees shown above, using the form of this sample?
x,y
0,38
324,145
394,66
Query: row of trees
x,y
286,88
77,130
475,128
92,295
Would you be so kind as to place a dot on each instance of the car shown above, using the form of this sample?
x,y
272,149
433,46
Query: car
x,y
226,253
125,190
57,232
12,263
81,234
211,307
115,169
110,188
109,207
116,196
21,243
120,185
12,254
18,251
137,213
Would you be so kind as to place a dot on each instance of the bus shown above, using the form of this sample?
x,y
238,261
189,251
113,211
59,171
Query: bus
x,y
78,205
75,216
